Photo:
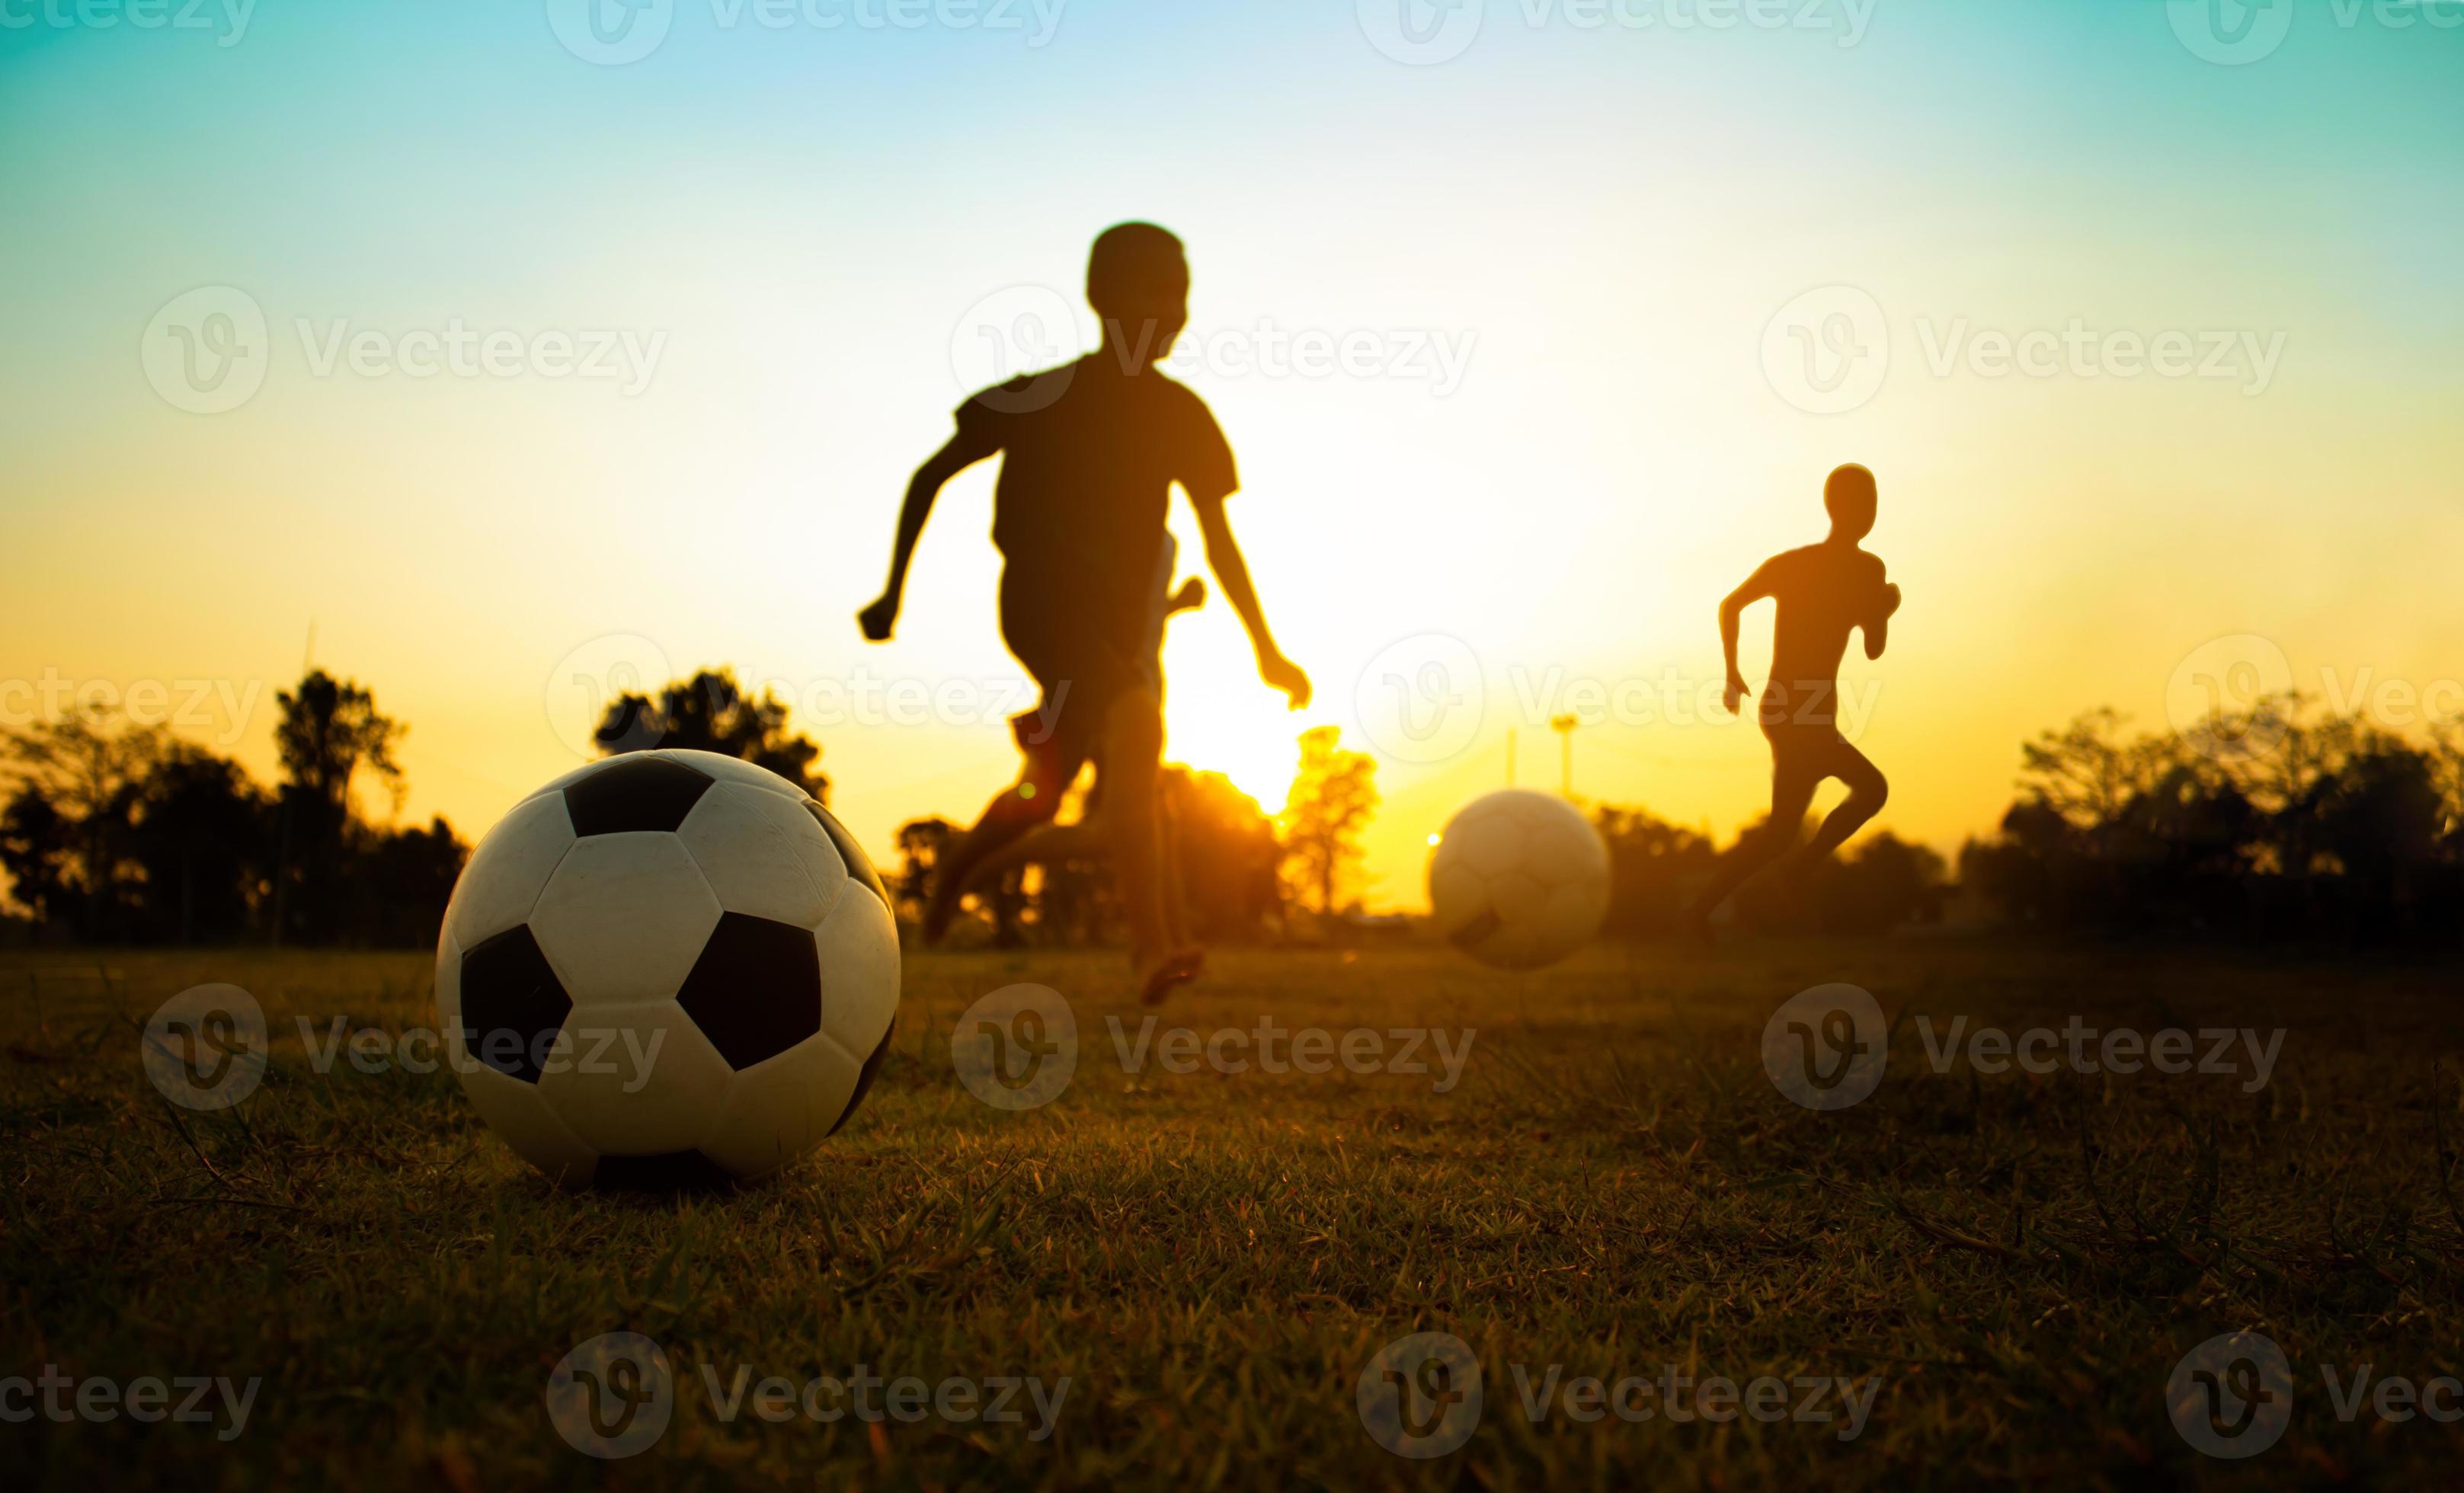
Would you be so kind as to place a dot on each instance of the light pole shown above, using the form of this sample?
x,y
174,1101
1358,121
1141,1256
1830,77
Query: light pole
x,y
1564,726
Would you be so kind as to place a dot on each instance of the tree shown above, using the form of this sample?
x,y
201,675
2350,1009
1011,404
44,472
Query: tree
x,y
1332,801
710,712
329,730
86,772
201,838
921,845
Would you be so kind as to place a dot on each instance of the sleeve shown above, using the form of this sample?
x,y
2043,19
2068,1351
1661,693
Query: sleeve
x,y
985,419
1204,465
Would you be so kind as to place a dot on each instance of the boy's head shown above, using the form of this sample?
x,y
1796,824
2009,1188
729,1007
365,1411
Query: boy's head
x,y
1138,283
1849,497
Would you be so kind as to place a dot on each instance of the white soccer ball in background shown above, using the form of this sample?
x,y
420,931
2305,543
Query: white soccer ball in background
x,y
1520,879
667,969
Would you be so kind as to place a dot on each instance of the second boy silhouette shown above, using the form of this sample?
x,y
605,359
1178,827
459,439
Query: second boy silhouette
x,y
1824,592
1089,454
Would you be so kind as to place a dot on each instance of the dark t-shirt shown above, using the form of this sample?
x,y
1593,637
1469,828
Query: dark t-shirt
x,y
1089,454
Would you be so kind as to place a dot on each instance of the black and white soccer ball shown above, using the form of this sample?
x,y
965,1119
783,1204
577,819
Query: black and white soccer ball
x,y
1520,880
667,969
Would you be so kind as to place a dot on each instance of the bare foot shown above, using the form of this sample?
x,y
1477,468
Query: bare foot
x,y
1159,976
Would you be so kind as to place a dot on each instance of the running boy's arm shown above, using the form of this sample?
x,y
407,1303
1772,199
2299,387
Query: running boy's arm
x,y
1878,628
1763,582
1223,557
961,452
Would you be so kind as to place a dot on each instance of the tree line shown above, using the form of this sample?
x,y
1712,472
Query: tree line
x,y
121,833
2278,821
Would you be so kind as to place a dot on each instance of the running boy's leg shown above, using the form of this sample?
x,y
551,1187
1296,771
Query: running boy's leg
x,y
1794,776
1132,757
1867,793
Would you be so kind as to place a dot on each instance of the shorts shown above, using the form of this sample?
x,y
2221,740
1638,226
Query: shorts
x,y
1081,670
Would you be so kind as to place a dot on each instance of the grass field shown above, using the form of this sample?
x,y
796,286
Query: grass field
x,y
2010,1264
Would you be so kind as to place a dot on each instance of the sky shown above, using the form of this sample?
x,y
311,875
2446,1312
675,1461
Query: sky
x,y
499,361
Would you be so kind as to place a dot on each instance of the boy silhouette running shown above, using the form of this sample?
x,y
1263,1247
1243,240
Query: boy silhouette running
x,y
1090,451
1824,592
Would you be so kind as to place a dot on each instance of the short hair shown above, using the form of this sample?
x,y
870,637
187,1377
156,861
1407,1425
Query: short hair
x,y
1851,483
1135,259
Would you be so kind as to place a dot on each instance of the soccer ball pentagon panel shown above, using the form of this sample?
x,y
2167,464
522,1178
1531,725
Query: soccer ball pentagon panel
x,y
667,969
1519,880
